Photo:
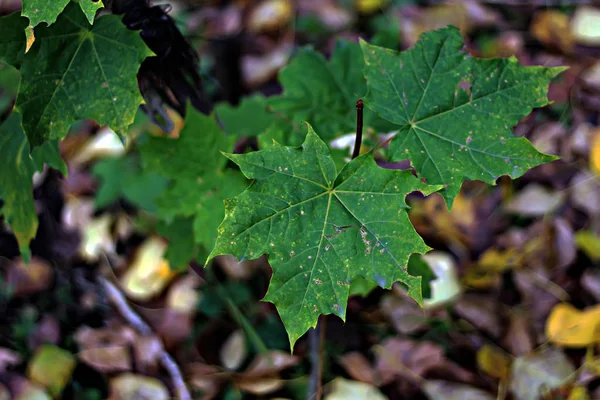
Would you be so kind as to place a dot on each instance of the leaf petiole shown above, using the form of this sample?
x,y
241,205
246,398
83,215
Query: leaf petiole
x,y
359,128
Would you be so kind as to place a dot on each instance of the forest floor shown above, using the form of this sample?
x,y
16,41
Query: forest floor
x,y
513,308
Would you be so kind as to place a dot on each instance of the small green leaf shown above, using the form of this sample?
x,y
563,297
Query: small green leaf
x,y
39,11
194,153
199,180
123,177
75,71
182,246
321,229
454,113
250,118
16,180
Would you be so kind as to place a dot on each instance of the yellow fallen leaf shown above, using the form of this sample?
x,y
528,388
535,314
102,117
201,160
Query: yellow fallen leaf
x,y
579,393
270,15
51,367
493,361
589,243
570,327
370,6
149,272
595,154
499,260
551,27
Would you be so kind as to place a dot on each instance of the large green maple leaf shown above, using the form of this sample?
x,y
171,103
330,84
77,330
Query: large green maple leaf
x,y
320,228
324,92
18,166
48,10
193,201
454,113
75,71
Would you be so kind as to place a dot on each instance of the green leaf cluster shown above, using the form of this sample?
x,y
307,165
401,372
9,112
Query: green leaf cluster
x,y
191,206
324,223
322,229
73,71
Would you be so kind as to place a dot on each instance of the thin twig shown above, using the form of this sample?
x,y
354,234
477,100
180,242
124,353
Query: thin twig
x,y
120,303
359,128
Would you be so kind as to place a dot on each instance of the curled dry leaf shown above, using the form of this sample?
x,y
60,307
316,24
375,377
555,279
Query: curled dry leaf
x,y
585,192
90,338
446,286
107,359
344,389
480,312
585,26
406,358
149,272
260,386
258,70
132,386
173,327
97,238
493,361
234,351
105,143
270,15
51,367
551,27
518,338
205,378
403,313
533,374
535,200
271,362
25,280
236,269
184,296
570,327
77,213
358,367
443,390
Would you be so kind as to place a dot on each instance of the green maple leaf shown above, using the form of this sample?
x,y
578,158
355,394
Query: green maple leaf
x,y
454,113
75,71
199,180
320,228
39,11
182,244
123,177
12,39
249,118
326,97
16,185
